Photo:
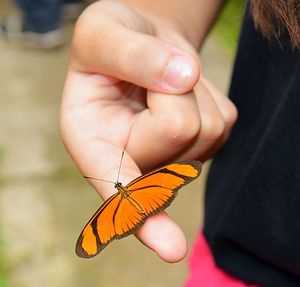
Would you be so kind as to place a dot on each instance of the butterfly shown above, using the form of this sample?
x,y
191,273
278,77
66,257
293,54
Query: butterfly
x,y
125,211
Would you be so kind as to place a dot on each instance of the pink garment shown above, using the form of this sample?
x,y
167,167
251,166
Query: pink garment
x,y
205,273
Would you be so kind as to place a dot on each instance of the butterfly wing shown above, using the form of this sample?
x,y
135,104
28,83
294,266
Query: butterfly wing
x,y
120,216
152,193
128,218
100,229
155,191
116,218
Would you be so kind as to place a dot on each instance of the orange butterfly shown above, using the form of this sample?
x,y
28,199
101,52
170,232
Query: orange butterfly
x,y
126,210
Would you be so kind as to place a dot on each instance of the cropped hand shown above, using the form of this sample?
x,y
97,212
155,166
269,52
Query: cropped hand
x,y
133,84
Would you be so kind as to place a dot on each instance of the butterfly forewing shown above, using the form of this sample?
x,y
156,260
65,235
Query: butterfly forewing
x,y
100,230
174,175
127,219
156,190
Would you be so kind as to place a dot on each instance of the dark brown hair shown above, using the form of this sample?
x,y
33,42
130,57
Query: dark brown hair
x,y
270,16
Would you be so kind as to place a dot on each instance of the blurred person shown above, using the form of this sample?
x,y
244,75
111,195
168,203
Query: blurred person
x,y
38,23
134,82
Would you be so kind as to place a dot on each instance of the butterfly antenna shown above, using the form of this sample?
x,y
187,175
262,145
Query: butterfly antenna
x,y
95,178
120,165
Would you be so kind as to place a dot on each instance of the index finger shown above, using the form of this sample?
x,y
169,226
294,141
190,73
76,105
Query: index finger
x,y
101,158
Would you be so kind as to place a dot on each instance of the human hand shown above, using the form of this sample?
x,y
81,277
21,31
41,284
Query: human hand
x,y
129,87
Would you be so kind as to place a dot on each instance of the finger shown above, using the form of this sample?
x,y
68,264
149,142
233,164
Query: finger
x,y
168,125
163,236
95,147
209,138
159,233
131,55
226,107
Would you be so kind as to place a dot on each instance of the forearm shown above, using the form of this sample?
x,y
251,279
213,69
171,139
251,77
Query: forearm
x,y
192,18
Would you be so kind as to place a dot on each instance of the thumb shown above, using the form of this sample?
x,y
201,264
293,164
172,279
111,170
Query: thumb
x,y
103,45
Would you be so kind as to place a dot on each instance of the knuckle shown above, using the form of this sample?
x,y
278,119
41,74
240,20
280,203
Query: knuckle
x,y
181,128
231,115
212,128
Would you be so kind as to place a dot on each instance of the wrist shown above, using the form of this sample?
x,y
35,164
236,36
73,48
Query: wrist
x,y
192,19
165,24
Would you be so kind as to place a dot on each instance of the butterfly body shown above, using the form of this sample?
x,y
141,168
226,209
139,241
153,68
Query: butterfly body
x,y
126,210
125,194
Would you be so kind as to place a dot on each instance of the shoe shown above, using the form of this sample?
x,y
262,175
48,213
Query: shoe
x,y
12,30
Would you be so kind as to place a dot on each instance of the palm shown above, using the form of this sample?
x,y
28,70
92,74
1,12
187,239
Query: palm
x,y
100,121
109,115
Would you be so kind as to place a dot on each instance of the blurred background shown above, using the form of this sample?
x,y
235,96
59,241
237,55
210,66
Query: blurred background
x,y
45,202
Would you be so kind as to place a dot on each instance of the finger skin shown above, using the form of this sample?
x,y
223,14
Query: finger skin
x,y
166,127
122,51
217,117
162,235
226,107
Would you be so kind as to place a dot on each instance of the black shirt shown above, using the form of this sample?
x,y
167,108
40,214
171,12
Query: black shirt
x,y
252,217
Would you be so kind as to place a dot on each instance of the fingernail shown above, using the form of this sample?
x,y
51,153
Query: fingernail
x,y
178,71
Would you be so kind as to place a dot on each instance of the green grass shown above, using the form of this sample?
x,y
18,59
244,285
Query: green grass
x,y
3,267
228,25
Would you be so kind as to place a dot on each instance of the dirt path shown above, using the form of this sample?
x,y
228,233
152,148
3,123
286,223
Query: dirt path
x,y
45,202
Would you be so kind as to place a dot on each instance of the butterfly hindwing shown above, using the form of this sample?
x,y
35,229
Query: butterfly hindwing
x,y
153,199
128,218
